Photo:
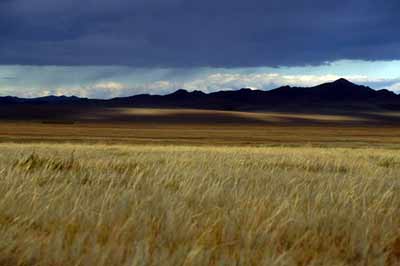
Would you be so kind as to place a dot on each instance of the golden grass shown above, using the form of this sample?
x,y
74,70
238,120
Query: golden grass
x,y
169,205
203,134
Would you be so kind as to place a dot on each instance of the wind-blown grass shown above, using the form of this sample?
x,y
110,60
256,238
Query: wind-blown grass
x,y
158,205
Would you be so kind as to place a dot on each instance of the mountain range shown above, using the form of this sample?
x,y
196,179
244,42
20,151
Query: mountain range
x,y
338,94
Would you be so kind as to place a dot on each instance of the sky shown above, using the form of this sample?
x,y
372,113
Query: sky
x,y
105,49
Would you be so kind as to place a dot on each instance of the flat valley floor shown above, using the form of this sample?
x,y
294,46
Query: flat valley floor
x,y
188,187
202,127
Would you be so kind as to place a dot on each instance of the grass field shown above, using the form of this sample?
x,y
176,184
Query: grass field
x,y
79,204
197,187
203,134
200,127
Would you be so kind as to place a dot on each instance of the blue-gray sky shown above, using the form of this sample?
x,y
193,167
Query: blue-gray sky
x,y
100,48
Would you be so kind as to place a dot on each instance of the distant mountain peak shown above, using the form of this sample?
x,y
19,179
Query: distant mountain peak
x,y
343,81
343,85
180,92
246,90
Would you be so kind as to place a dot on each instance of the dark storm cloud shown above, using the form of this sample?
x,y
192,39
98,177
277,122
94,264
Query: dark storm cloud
x,y
192,33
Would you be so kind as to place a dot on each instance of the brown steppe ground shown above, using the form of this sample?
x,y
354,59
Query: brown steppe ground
x,y
158,187
204,127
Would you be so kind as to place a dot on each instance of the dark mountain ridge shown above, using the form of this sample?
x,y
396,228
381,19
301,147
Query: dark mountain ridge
x,y
340,93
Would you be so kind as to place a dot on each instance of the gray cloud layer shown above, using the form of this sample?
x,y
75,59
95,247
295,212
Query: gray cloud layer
x,y
192,33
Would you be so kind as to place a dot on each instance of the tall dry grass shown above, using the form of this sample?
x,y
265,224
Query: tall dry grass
x,y
149,205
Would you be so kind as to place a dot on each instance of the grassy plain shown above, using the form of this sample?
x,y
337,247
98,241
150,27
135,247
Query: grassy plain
x,y
203,134
202,127
203,189
77,204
